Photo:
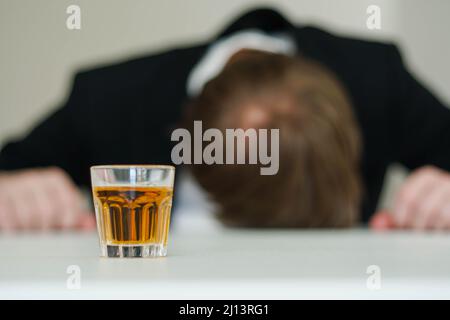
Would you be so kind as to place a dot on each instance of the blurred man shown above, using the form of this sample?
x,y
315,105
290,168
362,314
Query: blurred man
x,y
369,112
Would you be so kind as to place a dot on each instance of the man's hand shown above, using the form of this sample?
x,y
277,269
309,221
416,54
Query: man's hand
x,y
423,202
382,220
41,199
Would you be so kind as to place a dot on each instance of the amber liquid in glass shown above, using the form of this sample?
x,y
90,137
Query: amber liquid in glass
x,y
134,215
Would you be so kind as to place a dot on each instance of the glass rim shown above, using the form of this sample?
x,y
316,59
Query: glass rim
x,y
133,166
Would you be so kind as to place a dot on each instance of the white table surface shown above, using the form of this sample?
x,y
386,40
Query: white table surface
x,y
229,264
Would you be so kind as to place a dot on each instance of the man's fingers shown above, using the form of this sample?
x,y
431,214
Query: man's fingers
x,y
86,221
22,203
442,221
45,208
6,214
415,189
433,207
381,221
67,200
39,198
39,201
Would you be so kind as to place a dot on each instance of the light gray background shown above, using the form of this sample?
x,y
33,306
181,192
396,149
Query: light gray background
x,y
39,54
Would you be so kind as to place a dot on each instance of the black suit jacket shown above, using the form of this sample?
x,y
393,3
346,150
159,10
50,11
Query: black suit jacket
x,y
124,113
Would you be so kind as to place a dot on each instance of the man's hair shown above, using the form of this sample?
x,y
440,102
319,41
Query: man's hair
x,y
318,182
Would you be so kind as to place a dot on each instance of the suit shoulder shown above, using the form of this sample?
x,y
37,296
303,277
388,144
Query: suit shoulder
x,y
339,43
136,70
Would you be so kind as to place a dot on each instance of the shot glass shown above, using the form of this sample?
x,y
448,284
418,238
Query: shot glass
x,y
132,207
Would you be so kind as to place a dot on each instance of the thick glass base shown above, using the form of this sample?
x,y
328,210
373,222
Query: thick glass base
x,y
134,251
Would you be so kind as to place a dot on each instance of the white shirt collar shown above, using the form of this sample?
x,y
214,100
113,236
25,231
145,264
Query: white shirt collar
x,y
221,51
